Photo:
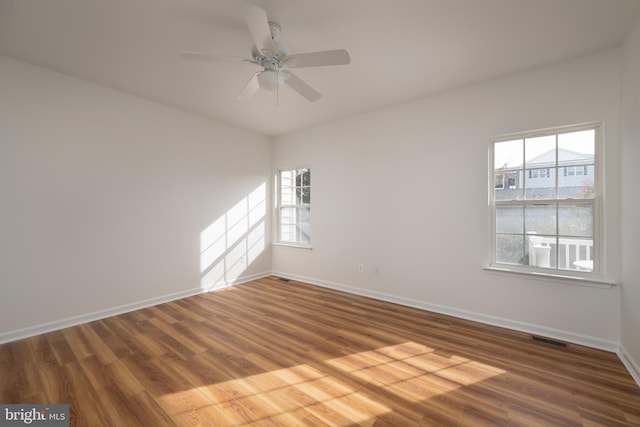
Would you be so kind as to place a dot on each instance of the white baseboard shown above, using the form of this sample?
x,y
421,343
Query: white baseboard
x,y
114,311
632,366
529,328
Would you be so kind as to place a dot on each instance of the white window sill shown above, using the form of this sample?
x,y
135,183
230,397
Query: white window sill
x,y
293,246
593,282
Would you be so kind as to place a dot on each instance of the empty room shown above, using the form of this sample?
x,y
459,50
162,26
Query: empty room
x,y
320,213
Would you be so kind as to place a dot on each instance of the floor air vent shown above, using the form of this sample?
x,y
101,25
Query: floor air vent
x,y
282,279
549,341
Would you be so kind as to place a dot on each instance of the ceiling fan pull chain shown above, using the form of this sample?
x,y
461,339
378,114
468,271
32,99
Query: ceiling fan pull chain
x,y
277,87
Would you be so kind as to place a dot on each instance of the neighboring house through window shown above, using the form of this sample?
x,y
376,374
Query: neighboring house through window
x,y
546,217
294,206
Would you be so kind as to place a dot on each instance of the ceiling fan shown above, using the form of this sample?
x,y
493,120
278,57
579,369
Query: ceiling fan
x,y
273,57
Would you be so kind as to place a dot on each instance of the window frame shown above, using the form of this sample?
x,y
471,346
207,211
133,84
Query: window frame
x,y
597,273
279,207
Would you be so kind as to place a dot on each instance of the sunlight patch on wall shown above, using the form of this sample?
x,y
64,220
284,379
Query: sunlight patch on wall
x,y
233,241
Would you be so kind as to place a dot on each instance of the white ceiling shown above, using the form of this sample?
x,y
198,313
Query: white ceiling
x,y
400,49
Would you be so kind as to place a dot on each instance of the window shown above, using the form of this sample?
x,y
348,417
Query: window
x,y
539,173
547,220
294,206
575,170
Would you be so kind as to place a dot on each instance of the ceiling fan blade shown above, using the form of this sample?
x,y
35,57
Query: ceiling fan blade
x,y
256,19
301,87
206,56
319,59
249,88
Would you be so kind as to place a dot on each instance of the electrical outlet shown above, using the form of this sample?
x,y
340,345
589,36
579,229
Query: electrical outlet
x,y
361,268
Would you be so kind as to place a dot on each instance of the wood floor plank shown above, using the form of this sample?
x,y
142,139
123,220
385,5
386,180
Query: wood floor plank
x,y
77,342
83,395
61,349
21,382
54,383
118,406
96,343
42,351
285,353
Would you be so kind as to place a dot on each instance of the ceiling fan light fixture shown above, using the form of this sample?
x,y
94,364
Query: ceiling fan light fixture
x,y
270,80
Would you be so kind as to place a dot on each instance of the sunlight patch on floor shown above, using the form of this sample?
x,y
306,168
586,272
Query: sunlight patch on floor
x,y
285,395
414,372
411,371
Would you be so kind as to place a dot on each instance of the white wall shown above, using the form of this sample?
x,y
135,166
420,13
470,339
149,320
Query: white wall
x,y
104,197
405,189
631,197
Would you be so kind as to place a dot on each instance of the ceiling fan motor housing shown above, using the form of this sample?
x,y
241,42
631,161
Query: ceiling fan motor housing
x,y
281,53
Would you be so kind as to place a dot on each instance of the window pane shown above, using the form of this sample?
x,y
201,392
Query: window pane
x,y
306,177
576,182
541,251
508,154
287,215
507,159
286,178
303,233
288,224
575,220
540,219
576,155
508,185
540,152
303,195
575,254
287,193
303,214
286,233
510,219
576,144
294,224
287,196
303,224
540,183
509,249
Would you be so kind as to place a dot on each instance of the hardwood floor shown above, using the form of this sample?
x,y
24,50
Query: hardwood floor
x,y
276,353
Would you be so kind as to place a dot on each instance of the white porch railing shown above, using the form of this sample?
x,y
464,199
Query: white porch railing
x,y
574,254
